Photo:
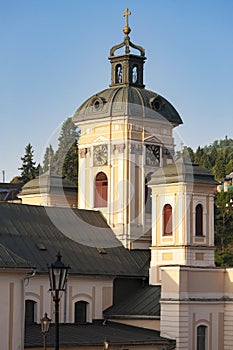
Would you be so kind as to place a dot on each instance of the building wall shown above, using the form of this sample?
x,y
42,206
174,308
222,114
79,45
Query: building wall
x,y
56,200
197,296
12,310
97,292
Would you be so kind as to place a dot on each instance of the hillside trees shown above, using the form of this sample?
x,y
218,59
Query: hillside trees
x,y
217,157
224,228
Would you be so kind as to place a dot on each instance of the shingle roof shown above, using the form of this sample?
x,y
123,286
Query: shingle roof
x,y
94,334
143,302
28,232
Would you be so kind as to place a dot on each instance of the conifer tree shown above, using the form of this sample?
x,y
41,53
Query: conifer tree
x,y
66,157
48,158
198,155
28,169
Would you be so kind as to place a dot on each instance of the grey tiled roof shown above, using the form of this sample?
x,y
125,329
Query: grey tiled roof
x,y
28,232
144,302
8,259
94,334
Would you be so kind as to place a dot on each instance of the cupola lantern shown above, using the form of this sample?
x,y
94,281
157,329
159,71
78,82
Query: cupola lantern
x,y
127,68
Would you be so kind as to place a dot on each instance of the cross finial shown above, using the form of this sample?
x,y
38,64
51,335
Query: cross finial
x,y
126,15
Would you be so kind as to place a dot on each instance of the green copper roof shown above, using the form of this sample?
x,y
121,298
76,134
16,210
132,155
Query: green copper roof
x,y
181,171
129,101
47,183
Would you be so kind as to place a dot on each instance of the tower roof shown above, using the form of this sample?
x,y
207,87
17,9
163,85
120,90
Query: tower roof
x,y
127,95
182,171
127,100
47,183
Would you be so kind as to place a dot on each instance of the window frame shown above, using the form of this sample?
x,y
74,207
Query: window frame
x,y
167,216
199,220
101,190
202,337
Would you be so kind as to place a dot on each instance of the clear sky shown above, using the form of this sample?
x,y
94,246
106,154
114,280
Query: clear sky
x,y
54,55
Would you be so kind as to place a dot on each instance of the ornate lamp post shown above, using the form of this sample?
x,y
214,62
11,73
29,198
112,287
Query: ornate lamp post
x,y
45,322
106,344
58,274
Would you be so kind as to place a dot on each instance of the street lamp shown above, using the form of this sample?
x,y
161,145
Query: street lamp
x,y
45,322
106,344
58,274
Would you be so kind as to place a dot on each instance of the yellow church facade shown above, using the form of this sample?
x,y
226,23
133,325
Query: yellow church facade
x,y
126,133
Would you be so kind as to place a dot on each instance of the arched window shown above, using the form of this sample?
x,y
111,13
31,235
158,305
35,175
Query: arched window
x,y
199,220
148,195
201,337
30,311
135,74
101,190
167,220
118,73
80,312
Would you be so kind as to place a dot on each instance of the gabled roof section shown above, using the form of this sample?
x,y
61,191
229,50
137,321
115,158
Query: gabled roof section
x,y
143,303
26,228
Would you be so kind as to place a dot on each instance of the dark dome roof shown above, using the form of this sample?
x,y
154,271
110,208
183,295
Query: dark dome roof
x,y
127,100
47,182
182,171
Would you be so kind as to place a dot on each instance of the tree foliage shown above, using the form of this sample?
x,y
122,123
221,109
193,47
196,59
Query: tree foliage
x,y
28,169
217,157
224,228
48,158
65,160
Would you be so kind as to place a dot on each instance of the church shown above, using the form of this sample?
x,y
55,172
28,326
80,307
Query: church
x,y
140,244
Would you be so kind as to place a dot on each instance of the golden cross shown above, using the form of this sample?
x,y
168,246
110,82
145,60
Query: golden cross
x,y
127,14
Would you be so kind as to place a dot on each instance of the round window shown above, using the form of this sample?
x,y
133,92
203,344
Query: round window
x,y
97,105
157,104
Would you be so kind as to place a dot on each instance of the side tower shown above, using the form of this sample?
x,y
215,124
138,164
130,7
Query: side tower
x,y
196,301
183,217
126,134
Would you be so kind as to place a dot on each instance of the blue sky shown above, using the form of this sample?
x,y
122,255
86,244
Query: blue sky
x,y
54,55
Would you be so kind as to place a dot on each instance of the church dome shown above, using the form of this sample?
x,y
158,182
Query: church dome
x,y
127,95
127,100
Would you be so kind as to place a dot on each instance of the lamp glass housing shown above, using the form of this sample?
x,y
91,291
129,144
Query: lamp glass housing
x,y
45,322
58,273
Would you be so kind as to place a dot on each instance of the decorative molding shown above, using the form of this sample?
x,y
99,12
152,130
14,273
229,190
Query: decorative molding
x,y
120,147
153,139
100,139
